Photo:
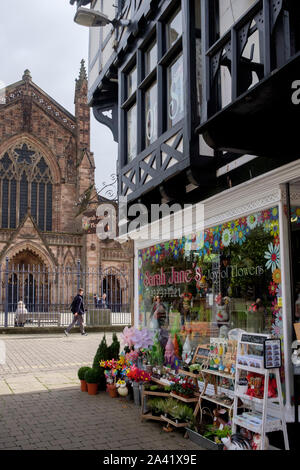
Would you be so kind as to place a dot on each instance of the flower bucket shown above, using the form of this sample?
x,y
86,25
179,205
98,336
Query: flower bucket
x,y
83,386
112,390
92,389
136,394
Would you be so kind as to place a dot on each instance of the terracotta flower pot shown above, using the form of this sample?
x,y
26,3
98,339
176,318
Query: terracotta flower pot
x,y
112,390
83,386
92,389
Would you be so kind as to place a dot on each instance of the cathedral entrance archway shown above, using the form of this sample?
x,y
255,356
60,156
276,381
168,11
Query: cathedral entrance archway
x,y
28,281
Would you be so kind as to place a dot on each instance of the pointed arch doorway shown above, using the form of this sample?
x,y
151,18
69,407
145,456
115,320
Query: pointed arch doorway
x,y
28,281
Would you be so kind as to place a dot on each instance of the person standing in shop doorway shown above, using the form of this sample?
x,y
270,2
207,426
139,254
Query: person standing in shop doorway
x,y
77,308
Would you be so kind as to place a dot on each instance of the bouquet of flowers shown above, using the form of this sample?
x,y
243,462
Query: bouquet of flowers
x,y
138,375
184,388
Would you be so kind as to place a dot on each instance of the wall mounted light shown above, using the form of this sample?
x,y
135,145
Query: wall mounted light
x,y
92,18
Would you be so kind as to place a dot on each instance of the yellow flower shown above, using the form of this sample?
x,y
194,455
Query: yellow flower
x,y
277,276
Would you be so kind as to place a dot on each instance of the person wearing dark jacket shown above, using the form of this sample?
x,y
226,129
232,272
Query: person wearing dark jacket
x,y
78,312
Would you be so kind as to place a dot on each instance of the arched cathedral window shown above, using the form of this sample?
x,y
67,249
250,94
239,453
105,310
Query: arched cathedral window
x,y
25,182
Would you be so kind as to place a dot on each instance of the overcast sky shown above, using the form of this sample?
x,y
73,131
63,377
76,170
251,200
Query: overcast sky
x,y
41,35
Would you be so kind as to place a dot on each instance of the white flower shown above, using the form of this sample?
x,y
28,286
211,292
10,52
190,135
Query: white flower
x,y
226,237
273,257
252,221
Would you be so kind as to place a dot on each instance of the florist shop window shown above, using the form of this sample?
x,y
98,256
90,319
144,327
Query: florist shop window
x,y
213,281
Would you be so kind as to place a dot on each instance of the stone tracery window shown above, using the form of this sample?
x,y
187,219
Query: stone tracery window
x,y
25,182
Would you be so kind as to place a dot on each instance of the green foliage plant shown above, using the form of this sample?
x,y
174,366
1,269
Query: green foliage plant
x,y
91,376
81,372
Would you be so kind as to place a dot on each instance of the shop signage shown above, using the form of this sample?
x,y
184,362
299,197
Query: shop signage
x,y
175,277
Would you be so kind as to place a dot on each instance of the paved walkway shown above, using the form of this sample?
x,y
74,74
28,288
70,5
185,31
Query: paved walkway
x,y
42,407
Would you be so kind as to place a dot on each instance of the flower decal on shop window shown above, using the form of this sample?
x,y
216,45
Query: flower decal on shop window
x,y
277,276
273,289
252,221
226,237
275,307
274,229
241,234
274,213
273,257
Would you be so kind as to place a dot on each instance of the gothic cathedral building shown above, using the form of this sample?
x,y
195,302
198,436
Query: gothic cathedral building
x,y
46,169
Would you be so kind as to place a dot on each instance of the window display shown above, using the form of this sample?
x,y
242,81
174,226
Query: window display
x,y
210,282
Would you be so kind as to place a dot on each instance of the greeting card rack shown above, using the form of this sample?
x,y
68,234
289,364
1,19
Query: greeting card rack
x,y
262,418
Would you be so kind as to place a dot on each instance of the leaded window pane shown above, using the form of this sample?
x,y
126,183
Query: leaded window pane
x,y
131,82
34,200
151,58
175,92
13,203
151,114
174,29
23,197
132,133
5,185
49,208
41,222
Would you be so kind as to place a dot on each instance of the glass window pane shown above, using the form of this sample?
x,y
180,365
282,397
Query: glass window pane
x,y
174,29
13,202
23,197
151,114
151,58
175,92
5,185
131,133
49,208
212,281
41,223
131,82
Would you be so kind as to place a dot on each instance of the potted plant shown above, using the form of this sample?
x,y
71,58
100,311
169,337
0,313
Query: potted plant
x,y
91,377
102,354
112,390
81,373
210,438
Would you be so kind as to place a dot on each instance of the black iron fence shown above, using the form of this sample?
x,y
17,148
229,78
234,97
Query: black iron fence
x,y
34,295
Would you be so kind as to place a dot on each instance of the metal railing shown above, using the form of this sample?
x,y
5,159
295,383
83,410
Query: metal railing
x,y
34,295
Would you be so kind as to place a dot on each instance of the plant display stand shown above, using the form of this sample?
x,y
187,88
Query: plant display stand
x,y
210,377
146,393
267,419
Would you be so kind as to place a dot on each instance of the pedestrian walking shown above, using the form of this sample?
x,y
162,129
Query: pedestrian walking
x,y
77,308
96,301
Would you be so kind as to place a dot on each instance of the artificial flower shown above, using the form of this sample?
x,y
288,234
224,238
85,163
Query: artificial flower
x,y
226,237
274,229
273,257
276,276
273,289
252,221
241,235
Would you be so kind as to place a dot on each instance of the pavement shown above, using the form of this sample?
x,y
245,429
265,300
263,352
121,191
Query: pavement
x,y
42,407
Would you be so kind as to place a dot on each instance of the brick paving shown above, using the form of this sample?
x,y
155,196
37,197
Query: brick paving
x,y
42,407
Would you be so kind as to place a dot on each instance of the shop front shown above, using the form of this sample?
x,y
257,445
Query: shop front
x,y
235,273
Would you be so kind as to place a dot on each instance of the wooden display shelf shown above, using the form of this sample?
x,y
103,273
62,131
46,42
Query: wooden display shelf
x,y
173,423
151,416
215,400
257,370
190,374
159,382
255,399
218,374
156,394
186,400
